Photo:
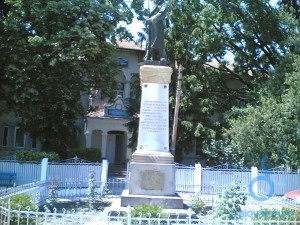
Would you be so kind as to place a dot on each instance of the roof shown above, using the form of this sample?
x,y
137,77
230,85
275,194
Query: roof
x,y
130,45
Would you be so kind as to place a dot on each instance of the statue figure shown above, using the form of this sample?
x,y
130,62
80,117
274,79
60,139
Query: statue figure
x,y
155,48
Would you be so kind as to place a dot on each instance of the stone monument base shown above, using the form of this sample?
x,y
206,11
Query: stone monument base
x,y
152,183
170,202
152,179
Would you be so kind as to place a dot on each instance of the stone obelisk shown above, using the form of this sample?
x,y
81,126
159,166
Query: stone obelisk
x,y
152,168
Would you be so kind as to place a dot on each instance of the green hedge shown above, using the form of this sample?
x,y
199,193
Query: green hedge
x,y
89,154
5,153
37,156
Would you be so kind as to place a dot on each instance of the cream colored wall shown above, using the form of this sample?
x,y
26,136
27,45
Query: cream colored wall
x,y
133,59
11,121
106,125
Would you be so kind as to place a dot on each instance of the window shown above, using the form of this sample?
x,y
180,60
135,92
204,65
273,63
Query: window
x,y
33,142
5,136
120,79
19,138
120,90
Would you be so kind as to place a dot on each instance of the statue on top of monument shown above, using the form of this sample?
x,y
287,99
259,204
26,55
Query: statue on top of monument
x,y
155,47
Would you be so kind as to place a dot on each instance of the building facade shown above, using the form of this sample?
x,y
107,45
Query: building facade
x,y
103,127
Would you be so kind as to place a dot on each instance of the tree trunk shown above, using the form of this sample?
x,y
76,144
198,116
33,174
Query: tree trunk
x,y
176,112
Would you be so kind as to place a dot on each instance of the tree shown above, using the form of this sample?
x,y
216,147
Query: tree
x,y
53,52
4,9
230,202
200,37
291,6
271,126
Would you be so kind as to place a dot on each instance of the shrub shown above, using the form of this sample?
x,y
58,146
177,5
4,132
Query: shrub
x,y
89,154
4,153
230,202
21,202
197,204
267,214
146,210
33,155
52,196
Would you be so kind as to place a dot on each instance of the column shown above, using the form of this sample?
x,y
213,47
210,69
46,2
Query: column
x,y
126,89
197,177
104,144
88,139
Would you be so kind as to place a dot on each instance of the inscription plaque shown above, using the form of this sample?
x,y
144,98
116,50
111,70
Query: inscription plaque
x,y
154,118
152,180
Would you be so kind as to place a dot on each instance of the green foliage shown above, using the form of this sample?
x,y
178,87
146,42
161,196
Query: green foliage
x,y
92,191
221,152
4,153
89,154
96,200
271,126
52,53
230,202
285,214
36,156
52,197
22,202
197,204
148,209
134,107
201,36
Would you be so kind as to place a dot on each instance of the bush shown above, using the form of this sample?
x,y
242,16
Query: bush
x,y
34,155
230,202
89,154
4,153
267,214
21,202
146,210
197,204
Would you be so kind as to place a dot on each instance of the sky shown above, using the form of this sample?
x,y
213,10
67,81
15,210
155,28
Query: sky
x,y
137,26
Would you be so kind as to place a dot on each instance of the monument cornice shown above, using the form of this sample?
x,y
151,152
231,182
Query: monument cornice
x,y
155,74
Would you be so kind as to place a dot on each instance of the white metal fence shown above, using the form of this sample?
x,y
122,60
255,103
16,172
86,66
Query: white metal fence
x,y
124,216
74,175
213,180
280,182
27,172
18,217
189,179
66,174
38,190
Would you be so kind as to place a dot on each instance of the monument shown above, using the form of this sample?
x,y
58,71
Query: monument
x,y
152,168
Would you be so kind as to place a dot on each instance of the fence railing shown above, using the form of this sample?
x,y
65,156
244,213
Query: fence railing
x,y
38,190
189,179
73,174
125,216
27,172
76,172
19,217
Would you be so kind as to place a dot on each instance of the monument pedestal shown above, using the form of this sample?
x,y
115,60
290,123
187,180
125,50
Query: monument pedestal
x,y
152,169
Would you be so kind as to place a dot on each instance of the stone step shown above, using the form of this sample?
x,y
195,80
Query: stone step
x,y
117,170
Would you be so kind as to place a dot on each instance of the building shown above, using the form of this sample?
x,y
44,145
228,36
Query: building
x,y
103,128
